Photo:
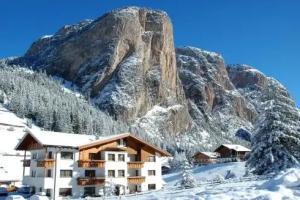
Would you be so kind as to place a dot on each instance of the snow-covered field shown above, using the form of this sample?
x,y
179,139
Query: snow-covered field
x,y
285,186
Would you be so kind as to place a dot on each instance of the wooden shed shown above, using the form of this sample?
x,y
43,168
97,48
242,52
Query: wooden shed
x,y
205,158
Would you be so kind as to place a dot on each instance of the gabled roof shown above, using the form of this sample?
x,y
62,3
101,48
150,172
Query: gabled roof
x,y
210,154
121,136
235,147
48,138
58,139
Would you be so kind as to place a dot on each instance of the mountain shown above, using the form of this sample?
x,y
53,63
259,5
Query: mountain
x,y
125,60
126,64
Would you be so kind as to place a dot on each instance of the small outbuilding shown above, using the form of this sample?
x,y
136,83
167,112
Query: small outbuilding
x,y
232,151
204,158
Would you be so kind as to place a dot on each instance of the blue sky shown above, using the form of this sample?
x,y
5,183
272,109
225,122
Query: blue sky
x,y
261,33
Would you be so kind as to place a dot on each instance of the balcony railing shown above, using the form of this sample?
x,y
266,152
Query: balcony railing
x,y
90,181
91,163
135,165
26,163
47,163
136,179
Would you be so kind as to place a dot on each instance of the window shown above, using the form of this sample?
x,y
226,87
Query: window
x,y
151,159
48,192
133,157
94,156
64,192
33,173
89,191
34,156
66,173
49,173
121,173
66,155
122,142
121,158
111,173
151,187
111,157
90,173
137,173
32,190
50,155
151,172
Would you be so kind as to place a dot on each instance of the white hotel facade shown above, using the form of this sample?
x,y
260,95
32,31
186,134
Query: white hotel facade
x,y
72,165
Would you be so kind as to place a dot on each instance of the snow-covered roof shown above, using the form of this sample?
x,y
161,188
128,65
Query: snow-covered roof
x,y
48,138
211,154
57,139
236,147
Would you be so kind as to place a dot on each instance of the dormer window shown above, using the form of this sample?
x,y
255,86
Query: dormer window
x,y
122,143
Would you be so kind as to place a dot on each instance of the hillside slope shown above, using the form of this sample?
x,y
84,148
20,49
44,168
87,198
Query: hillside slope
x,y
11,131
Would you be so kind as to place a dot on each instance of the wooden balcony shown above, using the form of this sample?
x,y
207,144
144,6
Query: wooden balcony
x,y
26,163
91,163
90,181
135,165
47,163
136,179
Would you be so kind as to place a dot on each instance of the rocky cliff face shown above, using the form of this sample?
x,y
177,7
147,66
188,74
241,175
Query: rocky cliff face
x,y
126,61
258,88
223,100
214,103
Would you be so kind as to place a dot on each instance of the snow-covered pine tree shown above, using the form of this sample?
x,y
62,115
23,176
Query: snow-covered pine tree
x,y
177,161
187,178
109,189
276,140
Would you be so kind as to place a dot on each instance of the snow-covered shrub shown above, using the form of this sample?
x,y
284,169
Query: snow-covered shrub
x,y
218,179
109,189
187,178
276,142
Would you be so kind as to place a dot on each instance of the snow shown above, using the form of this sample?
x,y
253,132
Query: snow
x,y
238,188
46,36
10,119
213,54
155,118
12,138
67,139
11,131
236,147
11,167
289,178
253,70
211,154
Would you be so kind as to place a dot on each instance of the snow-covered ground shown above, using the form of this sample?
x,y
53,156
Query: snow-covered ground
x,y
285,186
11,131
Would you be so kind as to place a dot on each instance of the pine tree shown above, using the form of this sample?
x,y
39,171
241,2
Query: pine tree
x,y
109,189
276,142
187,178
